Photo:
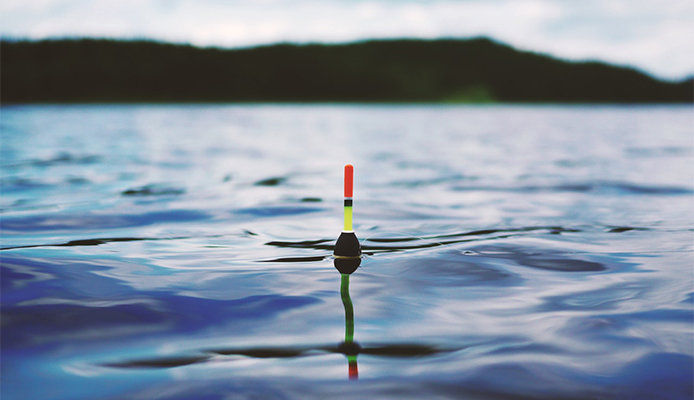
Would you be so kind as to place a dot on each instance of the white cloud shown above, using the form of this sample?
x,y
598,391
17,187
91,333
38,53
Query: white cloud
x,y
652,35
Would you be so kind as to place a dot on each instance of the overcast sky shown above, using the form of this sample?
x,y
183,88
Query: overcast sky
x,y
653,35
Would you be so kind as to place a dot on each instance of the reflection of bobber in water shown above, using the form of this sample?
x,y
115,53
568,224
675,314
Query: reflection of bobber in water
x,y
347,259
349,347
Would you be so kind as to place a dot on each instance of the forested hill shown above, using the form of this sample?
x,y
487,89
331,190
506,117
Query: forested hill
x,y
472,70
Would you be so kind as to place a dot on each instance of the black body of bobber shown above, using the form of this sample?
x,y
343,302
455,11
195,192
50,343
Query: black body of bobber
x,y
347,245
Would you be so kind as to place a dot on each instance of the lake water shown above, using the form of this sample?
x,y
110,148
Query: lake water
x,y
184,251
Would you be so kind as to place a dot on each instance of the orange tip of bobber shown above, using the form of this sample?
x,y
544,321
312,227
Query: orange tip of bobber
x,y
349,180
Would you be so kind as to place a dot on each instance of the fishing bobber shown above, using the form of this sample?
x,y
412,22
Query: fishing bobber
x,y
347,249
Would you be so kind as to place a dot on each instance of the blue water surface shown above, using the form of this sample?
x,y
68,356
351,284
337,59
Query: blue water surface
x,y
184,251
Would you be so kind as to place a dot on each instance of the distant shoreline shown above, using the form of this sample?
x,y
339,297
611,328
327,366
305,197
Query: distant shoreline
x,y
397,71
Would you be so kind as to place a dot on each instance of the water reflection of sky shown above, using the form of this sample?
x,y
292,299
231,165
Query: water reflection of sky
x,y
541,251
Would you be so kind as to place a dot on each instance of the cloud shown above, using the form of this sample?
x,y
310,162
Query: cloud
x,y
651,35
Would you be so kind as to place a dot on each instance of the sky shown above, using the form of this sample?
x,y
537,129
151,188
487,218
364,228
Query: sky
x,y
655,36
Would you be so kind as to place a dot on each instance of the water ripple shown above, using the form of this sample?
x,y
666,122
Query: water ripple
x,y
46,223
597,187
